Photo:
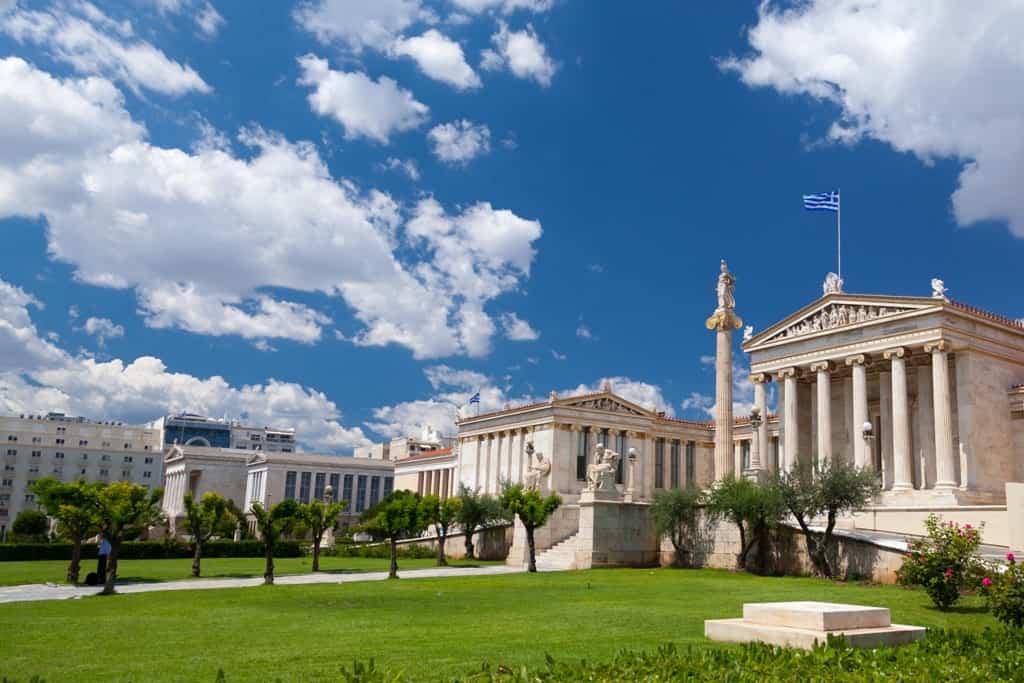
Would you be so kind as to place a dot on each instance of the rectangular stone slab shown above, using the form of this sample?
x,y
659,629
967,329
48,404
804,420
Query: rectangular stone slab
x,y
816,616
742,631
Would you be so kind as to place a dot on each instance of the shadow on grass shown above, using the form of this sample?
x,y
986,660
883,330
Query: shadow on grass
x,y
961,609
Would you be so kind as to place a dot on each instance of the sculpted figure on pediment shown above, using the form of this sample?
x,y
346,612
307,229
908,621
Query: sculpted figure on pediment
x,y
862,314
842,315
833,317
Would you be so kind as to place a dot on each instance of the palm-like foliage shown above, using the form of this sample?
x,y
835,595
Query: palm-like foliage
x,y
272,524
72,505
124,510
533,511
321,517
677,515
203,519
477,511
400,515
442,514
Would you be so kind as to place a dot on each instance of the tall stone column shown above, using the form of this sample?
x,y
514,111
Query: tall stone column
x,y
860,409
903,470
790,419
824,389
945,465
759,447
723,321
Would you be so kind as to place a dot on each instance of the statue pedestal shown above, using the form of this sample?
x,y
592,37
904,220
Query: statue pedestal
x,y
757,476
588,496
615,534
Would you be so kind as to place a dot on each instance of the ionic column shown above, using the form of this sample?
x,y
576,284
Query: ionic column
x,y
824,388
790,419
903,471
945,465
860,409
760,441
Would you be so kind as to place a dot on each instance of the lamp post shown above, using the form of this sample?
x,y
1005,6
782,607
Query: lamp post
x,y
754,471
627,496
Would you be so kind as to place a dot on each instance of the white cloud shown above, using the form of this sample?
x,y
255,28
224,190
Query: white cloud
x,y
69,151
518,329
583,332
643,394
505,6
358,23
557,356
522,52
84,42
36,376
742,391
439,57
406,166
459,142
103,329
937,79
364,107
209,20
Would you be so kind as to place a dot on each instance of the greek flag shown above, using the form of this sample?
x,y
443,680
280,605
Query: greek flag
x,y
823,201
475,398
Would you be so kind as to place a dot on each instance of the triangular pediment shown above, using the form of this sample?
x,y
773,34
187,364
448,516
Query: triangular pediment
x,y
836,312
606,402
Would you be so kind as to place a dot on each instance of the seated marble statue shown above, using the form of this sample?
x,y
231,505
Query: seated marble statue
x,y
601,473
536,474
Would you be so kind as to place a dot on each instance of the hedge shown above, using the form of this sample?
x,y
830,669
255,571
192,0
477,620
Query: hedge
x,y
146,550
378,551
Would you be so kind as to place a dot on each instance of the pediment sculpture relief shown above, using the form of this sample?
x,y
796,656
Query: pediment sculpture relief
x,y
837,315
606,404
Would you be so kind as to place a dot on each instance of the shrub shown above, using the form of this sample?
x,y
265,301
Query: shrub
x,y
30,526
944,562
754,508
1004,593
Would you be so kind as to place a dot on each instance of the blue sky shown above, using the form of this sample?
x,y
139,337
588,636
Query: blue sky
x,y
350,216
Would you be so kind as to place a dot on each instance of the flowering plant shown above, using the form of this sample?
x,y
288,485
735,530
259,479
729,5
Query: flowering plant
x,y
1004,593
943,562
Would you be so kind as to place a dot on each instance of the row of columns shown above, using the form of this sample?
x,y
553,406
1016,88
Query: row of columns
x,y
496,456
175,487
893,397
435,482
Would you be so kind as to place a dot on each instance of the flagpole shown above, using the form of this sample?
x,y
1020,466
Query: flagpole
x,y
839,230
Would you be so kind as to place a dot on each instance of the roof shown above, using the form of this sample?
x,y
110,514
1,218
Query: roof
x,y
315,459
426,455
993,317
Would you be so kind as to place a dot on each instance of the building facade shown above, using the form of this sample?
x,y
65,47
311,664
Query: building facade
x,y
198,430
429,473
403,447
198,470
71,448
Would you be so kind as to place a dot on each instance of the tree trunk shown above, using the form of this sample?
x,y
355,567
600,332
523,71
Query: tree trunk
x,y
74,567
442,561
196,557
393,568
469,545
316,550
741,559
532,567
108,584
268,574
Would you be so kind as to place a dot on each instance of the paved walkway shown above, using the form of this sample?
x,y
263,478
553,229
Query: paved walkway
x,y
53,591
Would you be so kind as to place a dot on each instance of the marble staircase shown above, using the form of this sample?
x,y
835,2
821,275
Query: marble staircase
x,y
559,557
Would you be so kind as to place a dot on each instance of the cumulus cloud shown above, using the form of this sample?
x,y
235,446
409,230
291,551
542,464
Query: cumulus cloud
x,y
518,329
439,57
522,53
36,376
936,79
406,166
94,44
207,19
103,329
459,142
363,106
504,6
359,24
70,152
742,392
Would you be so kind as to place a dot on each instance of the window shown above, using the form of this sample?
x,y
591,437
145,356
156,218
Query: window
x,y
346,492
289,486
83,442
675,463
12,451
105,444
104,458
37,454
374,491
621,448
361,493
34,469
9,468
304,487
37,439
12,437
104,473
149,461
58,471
128,458
745,454
318,485
125,474
659,463
61,430
389,486
691,462
335,482
59,442
582,453
29,498
85,456
286,450
6,482
82,472
147,475
127,445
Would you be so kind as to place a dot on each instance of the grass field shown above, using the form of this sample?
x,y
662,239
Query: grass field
x,y
427,627
55,571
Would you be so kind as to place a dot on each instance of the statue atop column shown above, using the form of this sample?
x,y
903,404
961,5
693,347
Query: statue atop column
x,y
723,321
725,315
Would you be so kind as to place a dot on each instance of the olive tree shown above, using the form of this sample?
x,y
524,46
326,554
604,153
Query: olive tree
x,y
400,515
677,515
442,514
71,504
320,517
533,511
753,507
477,511
202,520
124,510
271,524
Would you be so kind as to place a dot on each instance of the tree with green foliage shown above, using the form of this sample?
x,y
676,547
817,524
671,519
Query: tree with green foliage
x,y
477,511
400,515
72,505
234,520
202,520
753,507
677,515
442,514
123,510
533,511
319,517
30,526
272,524
832,489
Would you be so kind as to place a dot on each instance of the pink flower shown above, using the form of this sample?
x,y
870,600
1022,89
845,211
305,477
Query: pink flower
x,y
949,572
986,582
967,526
1010,557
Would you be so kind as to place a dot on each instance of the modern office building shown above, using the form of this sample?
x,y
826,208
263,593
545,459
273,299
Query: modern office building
x,y
199,430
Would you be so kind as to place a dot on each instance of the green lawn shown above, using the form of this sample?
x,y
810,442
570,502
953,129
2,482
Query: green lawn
x,y
428,627
55,571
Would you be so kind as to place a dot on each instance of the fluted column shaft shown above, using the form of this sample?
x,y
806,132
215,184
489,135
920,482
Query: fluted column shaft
x,y
790,419
760,441
824,389
723,405
860,410
903,475
945,465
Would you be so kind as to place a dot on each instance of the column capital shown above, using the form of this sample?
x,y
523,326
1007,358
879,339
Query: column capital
x,y
859,359
898,352
787,373
938,346
760,378
821,366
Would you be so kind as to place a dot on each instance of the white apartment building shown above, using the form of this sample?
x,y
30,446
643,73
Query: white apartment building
x,y
70,448
402,447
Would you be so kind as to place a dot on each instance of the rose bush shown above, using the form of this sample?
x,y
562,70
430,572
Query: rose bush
x,y
1004,593
943,562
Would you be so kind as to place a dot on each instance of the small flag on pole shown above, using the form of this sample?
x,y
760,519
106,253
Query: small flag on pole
x,y
475,398
823,201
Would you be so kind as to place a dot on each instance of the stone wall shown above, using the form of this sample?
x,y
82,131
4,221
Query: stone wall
x,y
564,522
489,544
1015,514
616,534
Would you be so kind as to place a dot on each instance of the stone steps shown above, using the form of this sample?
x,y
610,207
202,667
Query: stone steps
x,y
559,557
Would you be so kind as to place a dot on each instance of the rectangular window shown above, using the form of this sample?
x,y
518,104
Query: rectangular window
x,y
85,456
104,473
33,469
12,451
361,493
125,474
659,463
334,479
389,486
127,445
12,437
105,458
37,439
691,462
289,486
29,498
83,442
60,442
149,461
374,491
147,475
9,468
583,453
675,463
304,487
128,458
346,492
745,454
318,486
621,448
7,482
